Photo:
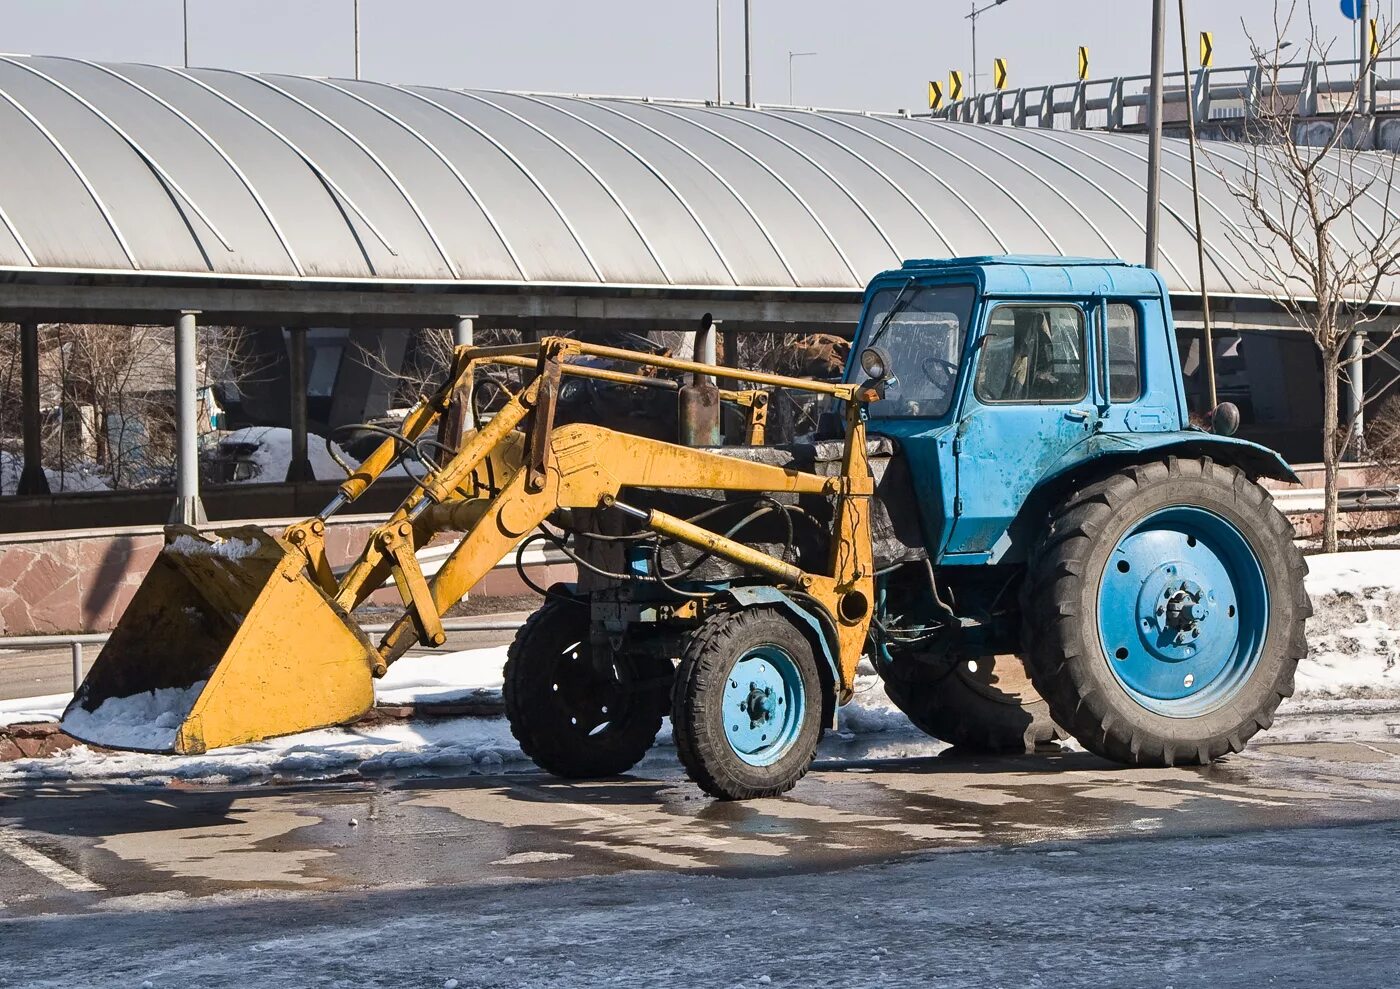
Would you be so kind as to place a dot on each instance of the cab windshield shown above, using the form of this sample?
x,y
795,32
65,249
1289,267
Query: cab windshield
x,y
921,328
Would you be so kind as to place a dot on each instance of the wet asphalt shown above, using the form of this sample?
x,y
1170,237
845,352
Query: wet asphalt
x,y
82,848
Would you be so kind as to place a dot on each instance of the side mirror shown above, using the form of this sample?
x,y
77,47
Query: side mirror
x,y
1225,419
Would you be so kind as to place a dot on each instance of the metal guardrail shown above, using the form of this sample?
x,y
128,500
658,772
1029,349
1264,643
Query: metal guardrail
x,y
1103,103
77,640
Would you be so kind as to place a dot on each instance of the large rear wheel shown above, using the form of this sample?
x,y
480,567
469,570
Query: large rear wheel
x,y
574,716
1164,613
985,705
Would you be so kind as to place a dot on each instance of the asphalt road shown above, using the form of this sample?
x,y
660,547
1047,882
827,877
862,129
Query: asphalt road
x,y
1277,867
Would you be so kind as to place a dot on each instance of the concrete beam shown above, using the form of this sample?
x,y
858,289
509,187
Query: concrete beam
x,y
299,467
32,480
188,508
412,305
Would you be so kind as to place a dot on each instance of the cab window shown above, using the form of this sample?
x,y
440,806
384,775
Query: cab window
x,y
1033,355
1124,368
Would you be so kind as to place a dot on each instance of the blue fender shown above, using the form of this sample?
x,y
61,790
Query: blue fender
x,y
1252,458
749,596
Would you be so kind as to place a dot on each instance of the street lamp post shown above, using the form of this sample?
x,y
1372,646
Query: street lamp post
x,y
976,12
185,19
357,39
792,55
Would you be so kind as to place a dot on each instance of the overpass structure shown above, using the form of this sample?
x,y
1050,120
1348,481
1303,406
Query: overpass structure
x,y
152,195
1225,100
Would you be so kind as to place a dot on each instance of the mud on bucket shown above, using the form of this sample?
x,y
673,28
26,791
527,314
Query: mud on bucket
x,y
226,641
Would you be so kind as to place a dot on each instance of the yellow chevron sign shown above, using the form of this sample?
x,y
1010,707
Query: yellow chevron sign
x,y
1083,63
1207,50
1375,35
999,73
935,95
954,85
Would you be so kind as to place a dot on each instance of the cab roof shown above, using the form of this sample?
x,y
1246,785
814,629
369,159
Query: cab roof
x,y
1041,275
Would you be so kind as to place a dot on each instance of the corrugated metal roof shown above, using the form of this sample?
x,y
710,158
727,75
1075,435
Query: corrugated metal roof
x,y
138,168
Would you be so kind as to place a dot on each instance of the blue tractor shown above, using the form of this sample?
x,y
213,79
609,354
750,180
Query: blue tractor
x,y
1054,549
1005,511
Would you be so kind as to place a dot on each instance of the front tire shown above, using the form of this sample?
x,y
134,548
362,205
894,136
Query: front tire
x,y
746,705
1165,613
571,717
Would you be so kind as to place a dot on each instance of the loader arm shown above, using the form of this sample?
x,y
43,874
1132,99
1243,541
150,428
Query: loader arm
x,y
252,637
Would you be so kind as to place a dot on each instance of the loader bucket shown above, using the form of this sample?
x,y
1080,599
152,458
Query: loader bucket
x,y
227,640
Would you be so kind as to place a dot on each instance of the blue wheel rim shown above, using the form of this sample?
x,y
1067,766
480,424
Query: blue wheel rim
x,y
1183,609
764,704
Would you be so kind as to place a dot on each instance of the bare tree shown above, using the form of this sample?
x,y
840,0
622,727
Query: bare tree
x,y
1320,235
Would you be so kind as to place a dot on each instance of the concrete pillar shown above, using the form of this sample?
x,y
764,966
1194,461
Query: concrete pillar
x,y
462,332
32,480
1356,396
188,508
299,467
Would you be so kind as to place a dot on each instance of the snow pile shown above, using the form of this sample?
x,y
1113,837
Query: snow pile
x,y
84,476
148,721
229,549
482,745
1354,634
272,454
434,679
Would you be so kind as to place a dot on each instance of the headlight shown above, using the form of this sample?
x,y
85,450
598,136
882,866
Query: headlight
x,y
875,363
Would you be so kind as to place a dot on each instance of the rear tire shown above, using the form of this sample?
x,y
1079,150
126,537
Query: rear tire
x,y
1164,613
746,706
570,718
990,709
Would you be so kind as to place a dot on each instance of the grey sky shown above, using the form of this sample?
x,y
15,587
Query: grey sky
x,y
874,55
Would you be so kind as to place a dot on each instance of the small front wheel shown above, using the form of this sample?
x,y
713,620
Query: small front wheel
x,y
746,705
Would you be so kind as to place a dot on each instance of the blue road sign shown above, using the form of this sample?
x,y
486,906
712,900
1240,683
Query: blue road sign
x,y
1351,9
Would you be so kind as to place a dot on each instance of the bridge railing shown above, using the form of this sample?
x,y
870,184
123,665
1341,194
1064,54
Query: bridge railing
x,y
1120,102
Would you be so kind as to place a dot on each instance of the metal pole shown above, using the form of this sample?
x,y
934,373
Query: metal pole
x,y
794,55
76,649
188,508
973,18
1209,336
299,466
748,52
185,11
462,333
719,51
357,39
32,480
1356,394
1366,67
1154,131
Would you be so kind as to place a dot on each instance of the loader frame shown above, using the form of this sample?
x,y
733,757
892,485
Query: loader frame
x,y
504,479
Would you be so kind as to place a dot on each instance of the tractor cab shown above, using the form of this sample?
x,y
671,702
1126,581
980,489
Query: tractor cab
x,y
999,375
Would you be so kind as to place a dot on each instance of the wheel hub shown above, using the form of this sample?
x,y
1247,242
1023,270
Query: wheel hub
x,y
1170,609
763,703
759,705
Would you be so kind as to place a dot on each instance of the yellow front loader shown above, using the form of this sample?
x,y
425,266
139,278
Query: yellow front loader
x,y
238,635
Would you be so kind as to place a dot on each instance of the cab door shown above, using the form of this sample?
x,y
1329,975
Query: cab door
x,y
1030,402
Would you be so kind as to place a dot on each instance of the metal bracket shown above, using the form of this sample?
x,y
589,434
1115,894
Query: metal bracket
x,y
412,586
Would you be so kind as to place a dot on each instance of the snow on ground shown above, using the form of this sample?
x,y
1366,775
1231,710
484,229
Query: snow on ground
x,y
434,679
1354,638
